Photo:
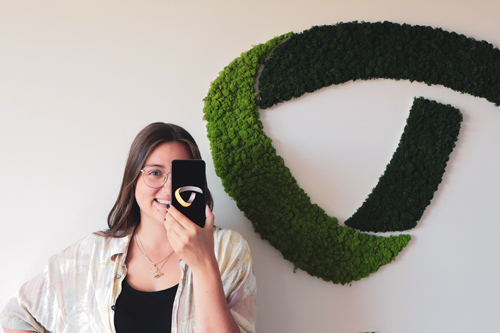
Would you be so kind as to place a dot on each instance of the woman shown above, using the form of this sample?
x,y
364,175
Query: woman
x,y
153,270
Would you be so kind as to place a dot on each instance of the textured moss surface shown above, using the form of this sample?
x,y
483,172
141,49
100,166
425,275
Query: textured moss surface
x,y
327,55
335,54
416,169
264,189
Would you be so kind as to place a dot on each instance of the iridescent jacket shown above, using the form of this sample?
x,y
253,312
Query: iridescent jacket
x,y
78,288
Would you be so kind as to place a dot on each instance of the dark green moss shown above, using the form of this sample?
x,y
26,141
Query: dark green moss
x,y
326,55
416,169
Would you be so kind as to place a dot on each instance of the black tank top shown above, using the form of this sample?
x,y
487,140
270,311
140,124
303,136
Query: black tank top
x,y
140,311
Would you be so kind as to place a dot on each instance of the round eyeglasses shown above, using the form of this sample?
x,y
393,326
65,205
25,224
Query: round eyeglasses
x,y
154,176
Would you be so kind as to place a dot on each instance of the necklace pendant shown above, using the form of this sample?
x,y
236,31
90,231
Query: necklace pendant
x,y
156,272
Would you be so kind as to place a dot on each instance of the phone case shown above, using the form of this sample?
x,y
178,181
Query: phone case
x,y
188,189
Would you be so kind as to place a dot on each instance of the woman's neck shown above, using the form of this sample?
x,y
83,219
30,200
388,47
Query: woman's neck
x,y
153,238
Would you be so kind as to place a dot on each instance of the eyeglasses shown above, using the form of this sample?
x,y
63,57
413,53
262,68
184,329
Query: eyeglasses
x,y
154,176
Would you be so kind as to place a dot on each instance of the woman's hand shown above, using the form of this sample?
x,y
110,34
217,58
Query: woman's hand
x,y
193,244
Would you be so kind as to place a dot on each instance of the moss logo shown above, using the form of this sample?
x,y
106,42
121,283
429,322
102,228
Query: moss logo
x,y
249,167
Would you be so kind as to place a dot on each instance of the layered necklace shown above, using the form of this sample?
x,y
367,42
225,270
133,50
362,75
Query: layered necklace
x,y
155,269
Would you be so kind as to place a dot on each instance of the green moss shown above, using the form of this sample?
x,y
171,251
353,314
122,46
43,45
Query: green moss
x,y
415,171
264,189
263,186
326,55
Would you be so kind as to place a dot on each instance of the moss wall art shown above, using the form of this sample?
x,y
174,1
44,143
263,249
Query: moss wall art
x,y
263,187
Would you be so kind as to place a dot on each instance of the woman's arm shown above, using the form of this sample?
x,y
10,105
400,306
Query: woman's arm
x,y
195,246
212,310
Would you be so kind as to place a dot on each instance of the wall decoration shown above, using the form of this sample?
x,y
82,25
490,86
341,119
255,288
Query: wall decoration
x,y
265,190
416,169
258,180
327,55
335,54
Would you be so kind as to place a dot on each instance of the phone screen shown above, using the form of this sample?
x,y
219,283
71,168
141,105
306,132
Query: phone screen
x,y
188,189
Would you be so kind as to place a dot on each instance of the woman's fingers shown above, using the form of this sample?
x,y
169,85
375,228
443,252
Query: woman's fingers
x,y
187,223
209,222
180,229
192,243
180,218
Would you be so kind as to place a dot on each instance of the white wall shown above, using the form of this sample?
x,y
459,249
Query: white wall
x,y
79,79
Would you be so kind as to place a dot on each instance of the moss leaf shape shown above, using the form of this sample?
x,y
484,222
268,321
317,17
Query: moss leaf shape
x,y
416,169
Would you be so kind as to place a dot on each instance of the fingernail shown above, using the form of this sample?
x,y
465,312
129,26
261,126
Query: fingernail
x,y
168,206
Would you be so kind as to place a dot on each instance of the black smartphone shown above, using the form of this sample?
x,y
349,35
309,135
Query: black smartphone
x,y
188,189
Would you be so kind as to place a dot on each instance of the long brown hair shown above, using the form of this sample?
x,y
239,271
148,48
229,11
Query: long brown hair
x,y
125,215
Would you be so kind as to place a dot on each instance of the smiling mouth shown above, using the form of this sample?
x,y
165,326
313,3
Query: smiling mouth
x,y
164,202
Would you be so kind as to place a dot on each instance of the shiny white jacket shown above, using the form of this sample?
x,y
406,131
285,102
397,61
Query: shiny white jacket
x,y
80,285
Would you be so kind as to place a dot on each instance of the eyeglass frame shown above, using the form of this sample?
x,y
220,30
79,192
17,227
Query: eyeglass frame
x,y
151,166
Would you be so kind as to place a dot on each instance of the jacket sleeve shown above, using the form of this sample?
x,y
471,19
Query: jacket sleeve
x,y
19,311
44,303
238,279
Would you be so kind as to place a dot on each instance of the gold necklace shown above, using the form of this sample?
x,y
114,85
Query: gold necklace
x,y
155,270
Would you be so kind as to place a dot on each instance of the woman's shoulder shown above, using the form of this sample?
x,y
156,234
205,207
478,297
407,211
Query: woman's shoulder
x,y
230,243
228,235
94,245
234,258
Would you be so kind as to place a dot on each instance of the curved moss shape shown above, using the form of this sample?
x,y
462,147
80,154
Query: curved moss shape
x,y
416,169
264,189
326,55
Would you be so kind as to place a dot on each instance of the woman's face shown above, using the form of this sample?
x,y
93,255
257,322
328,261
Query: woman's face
x,y
152,201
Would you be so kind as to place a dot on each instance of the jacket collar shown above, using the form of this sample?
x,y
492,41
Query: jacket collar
x,y
118,246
